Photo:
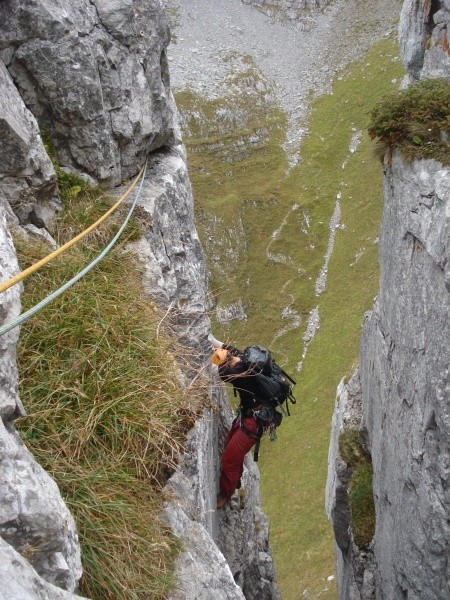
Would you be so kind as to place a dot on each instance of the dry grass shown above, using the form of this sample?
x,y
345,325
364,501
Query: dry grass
x,y
107,413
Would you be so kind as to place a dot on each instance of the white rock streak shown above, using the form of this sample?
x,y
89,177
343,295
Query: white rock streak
x,y
321,281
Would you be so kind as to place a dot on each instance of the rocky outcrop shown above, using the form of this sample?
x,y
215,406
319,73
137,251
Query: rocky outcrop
x,y
227,553
403,379
34,520
288,9
424,38
95,76
398,398
27,177
21,582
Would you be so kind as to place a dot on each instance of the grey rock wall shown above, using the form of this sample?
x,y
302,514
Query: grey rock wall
x,y
95,76
27,176
424,38
398,397
404,374
355,568
10,307
19,581
34,520
227,552
399,401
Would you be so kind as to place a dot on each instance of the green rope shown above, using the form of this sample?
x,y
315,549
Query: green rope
x,y
35,309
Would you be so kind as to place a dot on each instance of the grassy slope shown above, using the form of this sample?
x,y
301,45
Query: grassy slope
x,y
242,194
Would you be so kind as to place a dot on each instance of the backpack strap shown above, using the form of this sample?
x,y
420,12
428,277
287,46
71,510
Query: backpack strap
x,y
258,440
258,435
256,450
285,411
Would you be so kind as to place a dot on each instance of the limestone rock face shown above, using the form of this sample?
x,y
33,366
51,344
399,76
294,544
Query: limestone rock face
x,y
172,257
398,399
204,573
21,582
27,176
424,38
10,307
95,76
404,362
34,521
244,539
227,552
33,517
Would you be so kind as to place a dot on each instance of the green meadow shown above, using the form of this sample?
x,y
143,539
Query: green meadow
x,y
265,229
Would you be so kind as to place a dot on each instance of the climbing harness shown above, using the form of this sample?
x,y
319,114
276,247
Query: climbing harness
x,y
44,261
267,419
35,309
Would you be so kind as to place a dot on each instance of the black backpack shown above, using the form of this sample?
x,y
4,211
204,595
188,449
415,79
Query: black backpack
x,y
275,385
275,389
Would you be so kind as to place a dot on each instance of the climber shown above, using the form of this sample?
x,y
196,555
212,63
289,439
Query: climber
x,y
246,429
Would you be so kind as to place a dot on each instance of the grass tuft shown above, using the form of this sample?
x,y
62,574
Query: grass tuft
x,y
416,119
107,413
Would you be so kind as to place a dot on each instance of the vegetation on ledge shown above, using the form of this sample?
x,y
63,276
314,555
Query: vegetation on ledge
x,y
416,119
107,413
360,488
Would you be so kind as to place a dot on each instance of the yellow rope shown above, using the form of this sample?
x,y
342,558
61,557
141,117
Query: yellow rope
x,y
20,276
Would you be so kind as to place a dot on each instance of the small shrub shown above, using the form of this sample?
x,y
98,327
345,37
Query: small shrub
x,y
362,506
416,119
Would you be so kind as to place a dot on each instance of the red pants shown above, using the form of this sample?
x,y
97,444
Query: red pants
x,y
237,446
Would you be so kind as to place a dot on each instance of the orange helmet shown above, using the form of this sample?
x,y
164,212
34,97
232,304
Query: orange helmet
x,y
220,356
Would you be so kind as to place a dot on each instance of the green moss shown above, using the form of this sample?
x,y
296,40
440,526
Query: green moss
x,y
350,447
416,119
362,507
360,488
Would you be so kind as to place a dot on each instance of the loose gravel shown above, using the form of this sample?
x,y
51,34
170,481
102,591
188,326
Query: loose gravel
x,y
297,60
